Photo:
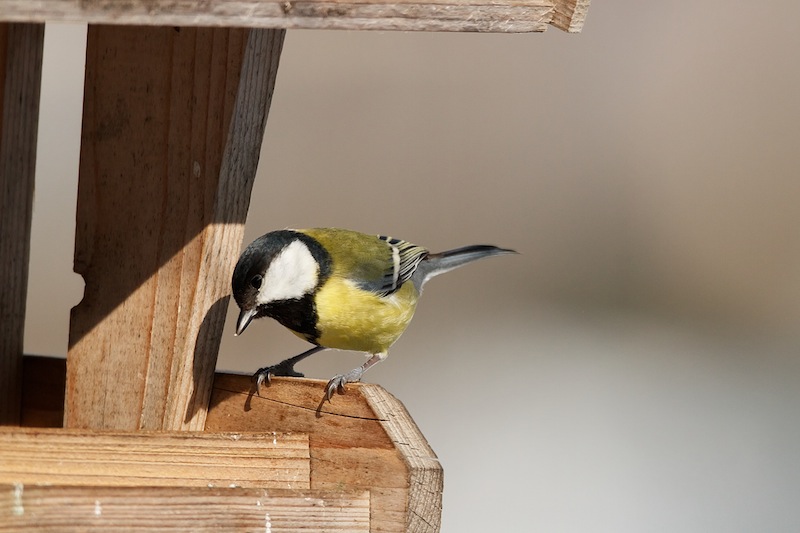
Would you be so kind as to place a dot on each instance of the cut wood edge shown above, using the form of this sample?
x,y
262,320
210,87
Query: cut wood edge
x,y
570,15
98,508
426,476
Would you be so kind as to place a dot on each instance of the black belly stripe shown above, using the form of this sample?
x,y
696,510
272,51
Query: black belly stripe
x,y
297,315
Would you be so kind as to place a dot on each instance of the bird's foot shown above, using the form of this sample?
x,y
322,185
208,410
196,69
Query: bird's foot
x,y
337,383
282,369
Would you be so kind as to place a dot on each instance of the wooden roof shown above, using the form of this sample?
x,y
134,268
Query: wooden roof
x,y
405,15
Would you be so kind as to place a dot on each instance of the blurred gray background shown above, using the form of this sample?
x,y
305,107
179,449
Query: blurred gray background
x,y
637,367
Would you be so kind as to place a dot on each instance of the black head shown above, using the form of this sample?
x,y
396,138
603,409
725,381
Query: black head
x,y
279,267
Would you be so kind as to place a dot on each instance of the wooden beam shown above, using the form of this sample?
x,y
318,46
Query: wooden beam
x,y
21,48
403,15
92,508
172,130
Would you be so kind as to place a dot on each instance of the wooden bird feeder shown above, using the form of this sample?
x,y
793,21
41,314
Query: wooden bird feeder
x,y
135,430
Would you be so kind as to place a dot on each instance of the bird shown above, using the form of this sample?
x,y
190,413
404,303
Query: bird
x,y
339,289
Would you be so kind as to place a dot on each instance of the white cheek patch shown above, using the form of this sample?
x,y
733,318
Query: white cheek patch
x,y
292,274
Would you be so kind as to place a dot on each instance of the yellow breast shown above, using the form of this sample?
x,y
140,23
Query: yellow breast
x,y
350,318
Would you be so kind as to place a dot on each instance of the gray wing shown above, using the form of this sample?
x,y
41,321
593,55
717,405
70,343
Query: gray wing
x,y
405,258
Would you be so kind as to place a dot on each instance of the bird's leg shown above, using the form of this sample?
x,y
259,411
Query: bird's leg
x,y
338,382
284,368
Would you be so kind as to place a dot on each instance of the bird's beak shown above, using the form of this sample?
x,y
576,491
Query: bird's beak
x,y
245,316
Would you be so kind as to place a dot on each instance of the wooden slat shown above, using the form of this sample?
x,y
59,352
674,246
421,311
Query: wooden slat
x,y
570,15
180,459
405,15
131,509
172,130
20,80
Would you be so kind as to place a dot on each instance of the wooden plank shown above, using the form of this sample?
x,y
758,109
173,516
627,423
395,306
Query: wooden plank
x,y
180,459
172,131
101,509
570,15
21,48
404,15
363,439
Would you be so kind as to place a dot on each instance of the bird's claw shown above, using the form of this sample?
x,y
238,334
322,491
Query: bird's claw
x,y
265,375
261,375
336,384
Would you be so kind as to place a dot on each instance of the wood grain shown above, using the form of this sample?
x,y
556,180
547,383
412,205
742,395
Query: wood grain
x,y
570,15
403,15
178,459
131,509
20,80
362,439
172,130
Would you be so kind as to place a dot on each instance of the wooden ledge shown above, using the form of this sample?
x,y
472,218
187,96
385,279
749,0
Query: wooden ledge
x,y
501,16
363,448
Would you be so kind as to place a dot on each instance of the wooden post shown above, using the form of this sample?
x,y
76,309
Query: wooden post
x,y
172,130
20,82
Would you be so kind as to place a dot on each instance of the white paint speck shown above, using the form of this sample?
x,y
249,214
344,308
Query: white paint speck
x,y
98,508
17,508
267,523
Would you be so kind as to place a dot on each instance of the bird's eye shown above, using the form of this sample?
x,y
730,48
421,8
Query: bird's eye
x,y
256,281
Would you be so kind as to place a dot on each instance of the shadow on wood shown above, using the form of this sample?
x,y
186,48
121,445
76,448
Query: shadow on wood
x,y
21,48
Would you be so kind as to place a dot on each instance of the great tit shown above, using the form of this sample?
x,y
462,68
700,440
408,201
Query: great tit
x,y
338,288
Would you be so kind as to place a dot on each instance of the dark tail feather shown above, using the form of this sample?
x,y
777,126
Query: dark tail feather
x,y
436,264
